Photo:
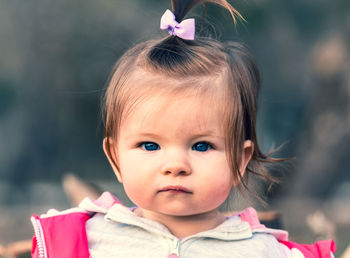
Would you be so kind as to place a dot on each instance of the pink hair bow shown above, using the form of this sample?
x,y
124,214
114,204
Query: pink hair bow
x,y
184,29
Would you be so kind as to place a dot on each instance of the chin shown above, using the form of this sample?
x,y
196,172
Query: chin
x,y
181,213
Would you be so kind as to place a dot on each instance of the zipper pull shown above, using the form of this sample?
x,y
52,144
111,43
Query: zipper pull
x,y
174,250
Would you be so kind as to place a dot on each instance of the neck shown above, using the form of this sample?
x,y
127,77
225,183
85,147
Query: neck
x,y
183,226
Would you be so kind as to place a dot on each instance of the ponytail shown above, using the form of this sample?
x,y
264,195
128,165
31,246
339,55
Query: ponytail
x,y
181,7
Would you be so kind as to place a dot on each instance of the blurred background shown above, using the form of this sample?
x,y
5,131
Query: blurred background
x,y
55,57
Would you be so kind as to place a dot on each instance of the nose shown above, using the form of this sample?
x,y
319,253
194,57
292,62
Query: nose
x,y
177,163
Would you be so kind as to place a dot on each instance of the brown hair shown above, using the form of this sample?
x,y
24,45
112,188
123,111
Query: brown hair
x,y
201,58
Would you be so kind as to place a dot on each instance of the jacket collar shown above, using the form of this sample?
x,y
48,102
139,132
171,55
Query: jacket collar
x,y
232,228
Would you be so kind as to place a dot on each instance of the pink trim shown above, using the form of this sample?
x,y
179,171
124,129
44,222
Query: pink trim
x,y
321,249
251,216
106,200
280,235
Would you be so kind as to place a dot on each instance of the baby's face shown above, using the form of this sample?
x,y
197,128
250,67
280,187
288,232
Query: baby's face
x,y
171,156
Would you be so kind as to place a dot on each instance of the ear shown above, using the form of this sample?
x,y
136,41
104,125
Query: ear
x,y
247,153
109,148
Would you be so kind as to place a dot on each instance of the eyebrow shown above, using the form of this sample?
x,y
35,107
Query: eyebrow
x,y
142,134
207,133
199,135
148,134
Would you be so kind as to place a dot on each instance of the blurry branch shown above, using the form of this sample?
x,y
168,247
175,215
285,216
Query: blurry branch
x,y
77,190
346,253
15,249
321,226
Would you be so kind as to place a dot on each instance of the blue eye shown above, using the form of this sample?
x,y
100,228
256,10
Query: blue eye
x,y
149,146
201,146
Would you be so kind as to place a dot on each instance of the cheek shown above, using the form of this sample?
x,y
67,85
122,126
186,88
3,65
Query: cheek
x,y
136,189
136,182
215,195
223,182
223,187
214,192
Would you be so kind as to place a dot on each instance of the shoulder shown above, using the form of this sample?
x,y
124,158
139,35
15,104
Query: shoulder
x,y
57,229
323,249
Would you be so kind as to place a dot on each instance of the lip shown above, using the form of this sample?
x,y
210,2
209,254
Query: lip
x,y
175,189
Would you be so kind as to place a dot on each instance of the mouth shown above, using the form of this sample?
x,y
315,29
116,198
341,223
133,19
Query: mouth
x,y
175,189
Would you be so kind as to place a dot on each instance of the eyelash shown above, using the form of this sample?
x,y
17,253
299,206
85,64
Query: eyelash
x,y
208,146
143,145
152,146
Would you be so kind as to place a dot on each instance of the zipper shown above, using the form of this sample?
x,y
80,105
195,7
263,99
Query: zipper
x,y
39,235
174,253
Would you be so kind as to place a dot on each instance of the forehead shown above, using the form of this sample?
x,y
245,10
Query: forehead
x,y
179,113
143,86
162,106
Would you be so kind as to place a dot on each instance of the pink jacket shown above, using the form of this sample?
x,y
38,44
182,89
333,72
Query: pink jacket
x,y
63,234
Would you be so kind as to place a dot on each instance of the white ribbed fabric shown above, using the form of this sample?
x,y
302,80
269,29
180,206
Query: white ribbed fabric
x,y
120,233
